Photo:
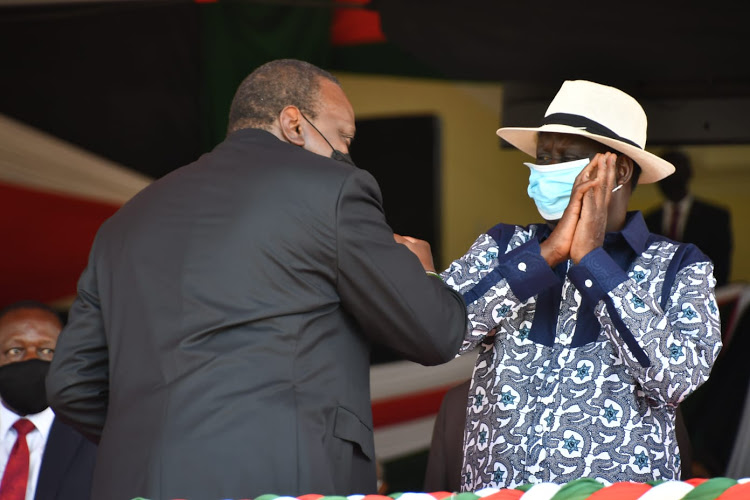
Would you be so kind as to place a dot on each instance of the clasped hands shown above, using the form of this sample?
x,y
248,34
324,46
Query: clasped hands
x,y
583,225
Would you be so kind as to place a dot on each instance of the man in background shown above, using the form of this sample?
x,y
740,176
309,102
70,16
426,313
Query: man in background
x,y
446,454
682,217
41,458
219,343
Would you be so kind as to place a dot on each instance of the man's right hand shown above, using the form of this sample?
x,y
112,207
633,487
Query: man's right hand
x,y
556,248
420,248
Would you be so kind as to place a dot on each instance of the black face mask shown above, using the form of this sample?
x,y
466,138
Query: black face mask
x,y
22,386
336,154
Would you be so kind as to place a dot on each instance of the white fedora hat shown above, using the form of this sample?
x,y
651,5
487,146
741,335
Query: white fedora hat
x,y
604,114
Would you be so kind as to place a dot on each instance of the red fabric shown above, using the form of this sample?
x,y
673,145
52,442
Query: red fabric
x,y
736,492
505,495
354,26
696,481
16,476
673,223
311,496
46,239
411,406
441,494
621,491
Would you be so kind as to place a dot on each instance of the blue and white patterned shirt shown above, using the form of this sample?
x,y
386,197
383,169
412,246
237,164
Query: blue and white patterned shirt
x,y
588,361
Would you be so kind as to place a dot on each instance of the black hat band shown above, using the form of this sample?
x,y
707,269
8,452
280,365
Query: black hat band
x,y
588,124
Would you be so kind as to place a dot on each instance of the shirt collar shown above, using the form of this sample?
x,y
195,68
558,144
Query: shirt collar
x,y
42,420
634,233
684,204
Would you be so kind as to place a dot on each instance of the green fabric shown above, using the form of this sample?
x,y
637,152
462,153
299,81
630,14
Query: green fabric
x,y
267,496
524,487
465,496
710,489
237,37
578,489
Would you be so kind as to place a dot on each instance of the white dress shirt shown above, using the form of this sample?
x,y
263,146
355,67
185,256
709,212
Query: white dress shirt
x,y
36,440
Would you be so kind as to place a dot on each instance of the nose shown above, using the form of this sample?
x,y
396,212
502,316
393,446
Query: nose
x,y
31,353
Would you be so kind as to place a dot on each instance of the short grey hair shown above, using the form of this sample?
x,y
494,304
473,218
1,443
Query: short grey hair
x,y
273,86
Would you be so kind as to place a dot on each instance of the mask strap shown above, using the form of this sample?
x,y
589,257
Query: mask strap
x,y
318,131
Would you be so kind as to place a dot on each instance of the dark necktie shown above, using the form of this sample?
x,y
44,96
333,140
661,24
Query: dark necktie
x,y
16,476
674,222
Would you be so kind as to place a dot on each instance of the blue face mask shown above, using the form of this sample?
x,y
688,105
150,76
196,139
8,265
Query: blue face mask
x,y
550,186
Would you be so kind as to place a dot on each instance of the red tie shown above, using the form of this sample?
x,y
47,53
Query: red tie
x,y
13,486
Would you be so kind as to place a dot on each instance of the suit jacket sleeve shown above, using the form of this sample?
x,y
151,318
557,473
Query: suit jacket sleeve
x,y
78,378
723,246
383,285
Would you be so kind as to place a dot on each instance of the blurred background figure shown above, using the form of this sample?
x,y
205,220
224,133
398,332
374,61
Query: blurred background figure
x,y
447,450
682,217
382,481
40,457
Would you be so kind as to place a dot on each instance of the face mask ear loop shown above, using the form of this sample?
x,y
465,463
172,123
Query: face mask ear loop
x,y
318,131
619,186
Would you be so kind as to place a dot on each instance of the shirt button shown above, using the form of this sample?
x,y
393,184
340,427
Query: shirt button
x,y
588,283
538,428
522,266
563,336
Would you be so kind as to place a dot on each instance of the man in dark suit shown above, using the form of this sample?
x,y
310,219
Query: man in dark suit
x,y
219,343
447,446
684,218
59,461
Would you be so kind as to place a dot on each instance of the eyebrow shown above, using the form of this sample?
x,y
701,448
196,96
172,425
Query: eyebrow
x,y
348,135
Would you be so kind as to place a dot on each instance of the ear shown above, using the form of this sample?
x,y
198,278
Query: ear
x,y
623,170
290,124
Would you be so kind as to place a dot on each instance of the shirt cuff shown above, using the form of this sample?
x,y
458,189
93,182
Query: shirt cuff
x,y
526,271
596,275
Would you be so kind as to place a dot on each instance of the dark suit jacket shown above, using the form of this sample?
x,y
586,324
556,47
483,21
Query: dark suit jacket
x,y
219,343
67,465
446,455
708,226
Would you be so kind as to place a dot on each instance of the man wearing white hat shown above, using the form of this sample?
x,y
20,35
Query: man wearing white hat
x,y
593,329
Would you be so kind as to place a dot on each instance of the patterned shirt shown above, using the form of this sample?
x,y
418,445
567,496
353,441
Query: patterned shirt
x,y
588,362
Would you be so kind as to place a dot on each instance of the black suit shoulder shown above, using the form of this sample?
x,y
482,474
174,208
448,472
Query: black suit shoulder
x,y
710,209
67,465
